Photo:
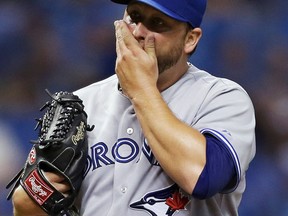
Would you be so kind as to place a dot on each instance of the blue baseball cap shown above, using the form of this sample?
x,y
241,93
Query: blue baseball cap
x,y
191,11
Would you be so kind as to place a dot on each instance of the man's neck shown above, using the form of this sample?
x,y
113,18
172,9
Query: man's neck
x,y
170,76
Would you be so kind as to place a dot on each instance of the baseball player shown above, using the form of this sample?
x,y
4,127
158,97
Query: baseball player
x,y
169,138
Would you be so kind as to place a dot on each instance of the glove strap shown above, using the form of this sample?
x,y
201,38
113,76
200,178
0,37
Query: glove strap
x,y
41,191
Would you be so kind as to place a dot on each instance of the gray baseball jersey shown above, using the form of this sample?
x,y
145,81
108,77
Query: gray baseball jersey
x,y
123,178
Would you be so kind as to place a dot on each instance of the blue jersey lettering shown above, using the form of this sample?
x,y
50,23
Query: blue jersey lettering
x,y
124,150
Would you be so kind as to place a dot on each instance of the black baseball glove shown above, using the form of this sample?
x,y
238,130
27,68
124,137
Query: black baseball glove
x,y
60,148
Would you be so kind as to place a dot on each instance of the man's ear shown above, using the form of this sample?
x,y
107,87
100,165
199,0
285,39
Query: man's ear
x,y
192,38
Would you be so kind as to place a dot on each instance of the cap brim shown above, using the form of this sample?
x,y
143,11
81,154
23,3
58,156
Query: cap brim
x,y
121,1
157,6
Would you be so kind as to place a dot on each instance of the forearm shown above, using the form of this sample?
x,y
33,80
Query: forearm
x,y
179,148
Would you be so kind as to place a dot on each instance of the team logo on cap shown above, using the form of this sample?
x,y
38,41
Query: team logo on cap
x,y
162,202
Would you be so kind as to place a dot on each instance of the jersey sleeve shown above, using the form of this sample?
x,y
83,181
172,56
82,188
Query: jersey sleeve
x,y
219,173
227,114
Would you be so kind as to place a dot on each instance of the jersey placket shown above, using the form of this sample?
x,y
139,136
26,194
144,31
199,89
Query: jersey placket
x,y
126,153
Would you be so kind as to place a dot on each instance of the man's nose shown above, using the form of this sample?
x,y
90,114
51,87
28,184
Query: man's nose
x,y
139,31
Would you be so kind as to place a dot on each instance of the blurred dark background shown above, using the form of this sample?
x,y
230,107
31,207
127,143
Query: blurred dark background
x,y
68,44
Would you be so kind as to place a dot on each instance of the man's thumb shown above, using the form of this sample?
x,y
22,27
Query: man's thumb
x,y
150,46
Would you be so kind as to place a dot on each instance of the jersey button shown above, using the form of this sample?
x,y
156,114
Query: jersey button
x,y
130,131
123,189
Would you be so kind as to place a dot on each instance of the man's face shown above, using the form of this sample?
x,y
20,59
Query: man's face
x,y
169,34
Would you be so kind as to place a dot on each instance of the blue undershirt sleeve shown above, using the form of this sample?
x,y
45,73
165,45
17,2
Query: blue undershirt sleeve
x,y
219,173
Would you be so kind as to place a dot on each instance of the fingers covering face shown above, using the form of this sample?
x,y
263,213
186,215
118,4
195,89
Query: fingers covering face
x,y
124,38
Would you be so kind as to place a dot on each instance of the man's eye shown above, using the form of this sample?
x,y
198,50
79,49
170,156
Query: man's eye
x,y
158,25
157,22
